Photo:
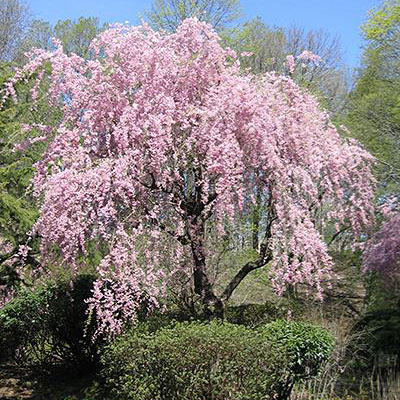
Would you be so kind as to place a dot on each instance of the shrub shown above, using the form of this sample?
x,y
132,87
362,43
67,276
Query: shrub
x,y
253,315
22,326
50,323
302,347
215,360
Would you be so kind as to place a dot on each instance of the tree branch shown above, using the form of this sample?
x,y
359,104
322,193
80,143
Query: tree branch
x,y
243,272
339,232
265,256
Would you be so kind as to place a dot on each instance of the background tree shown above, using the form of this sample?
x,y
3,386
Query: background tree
x,y
75,36
383,253
14,19
17,207
38,35
374,107
383,27
167,15
263,49
17,216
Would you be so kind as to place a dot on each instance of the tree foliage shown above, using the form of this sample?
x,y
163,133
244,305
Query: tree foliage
x,y
75,36
374,106
18,209
374,118
382,255
383,25
20,148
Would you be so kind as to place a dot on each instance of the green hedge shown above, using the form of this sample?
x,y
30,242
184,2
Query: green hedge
x,y
216,360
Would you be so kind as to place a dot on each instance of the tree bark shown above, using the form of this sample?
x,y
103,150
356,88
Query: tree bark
x,y
212,305
243,272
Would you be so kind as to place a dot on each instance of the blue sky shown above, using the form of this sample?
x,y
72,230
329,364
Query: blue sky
x,y
341,17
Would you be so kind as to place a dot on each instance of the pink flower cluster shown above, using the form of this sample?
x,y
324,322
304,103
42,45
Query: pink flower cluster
x,y
305,57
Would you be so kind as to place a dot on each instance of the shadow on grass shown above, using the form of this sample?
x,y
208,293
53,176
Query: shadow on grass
x,y
59,384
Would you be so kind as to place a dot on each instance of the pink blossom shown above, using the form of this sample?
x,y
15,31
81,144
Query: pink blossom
x,y
291,63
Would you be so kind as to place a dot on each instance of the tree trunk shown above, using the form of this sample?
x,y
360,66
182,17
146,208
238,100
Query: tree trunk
x,y
212,306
